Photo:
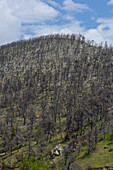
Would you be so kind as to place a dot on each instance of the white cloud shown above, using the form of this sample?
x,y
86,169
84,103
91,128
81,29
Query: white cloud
x,y
36,13
15,12
53,3
103,32
10,25
32,10
110,2
94,34
73,27
69,5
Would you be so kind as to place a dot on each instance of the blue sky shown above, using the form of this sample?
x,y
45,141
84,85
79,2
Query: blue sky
x,y
23,19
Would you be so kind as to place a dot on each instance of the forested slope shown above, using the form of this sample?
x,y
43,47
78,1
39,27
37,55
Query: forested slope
x,y
56,89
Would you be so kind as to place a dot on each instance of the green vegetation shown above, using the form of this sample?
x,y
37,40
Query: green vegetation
x,y
34,164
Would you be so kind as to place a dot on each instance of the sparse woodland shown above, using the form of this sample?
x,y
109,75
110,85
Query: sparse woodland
x,y
55,89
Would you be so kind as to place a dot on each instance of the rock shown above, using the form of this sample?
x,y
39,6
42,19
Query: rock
x,y
56,151
111,149
1,154
74,150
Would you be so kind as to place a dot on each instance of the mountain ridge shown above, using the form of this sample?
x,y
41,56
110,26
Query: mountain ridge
x,y
56,89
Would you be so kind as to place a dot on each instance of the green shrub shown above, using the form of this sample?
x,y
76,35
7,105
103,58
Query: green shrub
x,y
84,143
109,137
34,164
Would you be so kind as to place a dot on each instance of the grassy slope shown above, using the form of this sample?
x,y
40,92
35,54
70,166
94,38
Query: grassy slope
x,y
100,157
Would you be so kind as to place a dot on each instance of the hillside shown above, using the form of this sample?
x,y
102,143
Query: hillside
x,y
56,104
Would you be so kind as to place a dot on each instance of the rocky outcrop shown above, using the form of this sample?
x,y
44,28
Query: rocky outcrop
x,y
56,151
